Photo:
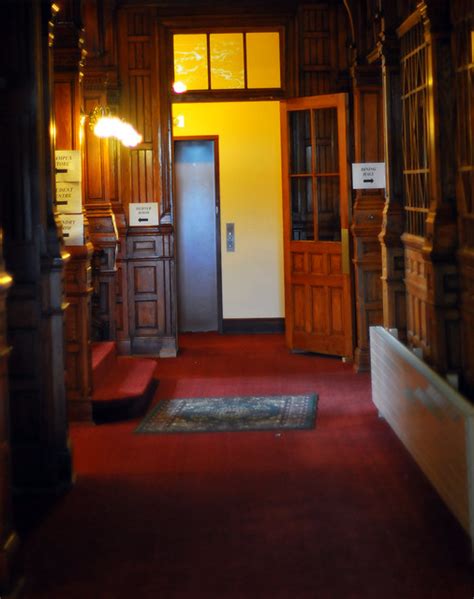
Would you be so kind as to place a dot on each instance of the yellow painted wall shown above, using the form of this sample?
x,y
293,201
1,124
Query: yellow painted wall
x,y
250,195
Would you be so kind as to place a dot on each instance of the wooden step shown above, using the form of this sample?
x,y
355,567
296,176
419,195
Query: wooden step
x,y
123,385
126,391
104,356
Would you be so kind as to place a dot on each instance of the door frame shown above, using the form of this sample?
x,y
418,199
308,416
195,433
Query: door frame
x,y
215,139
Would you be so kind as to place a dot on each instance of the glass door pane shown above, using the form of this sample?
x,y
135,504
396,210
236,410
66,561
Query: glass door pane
x,y
326,149
300,142
302,211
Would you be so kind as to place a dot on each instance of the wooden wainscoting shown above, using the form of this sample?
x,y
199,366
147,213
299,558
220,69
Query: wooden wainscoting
x,y
150,280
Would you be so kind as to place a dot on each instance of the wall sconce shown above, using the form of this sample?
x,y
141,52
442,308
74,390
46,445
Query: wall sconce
x,y
178,120
103,124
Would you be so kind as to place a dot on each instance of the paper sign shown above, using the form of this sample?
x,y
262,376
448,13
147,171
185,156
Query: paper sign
x,y
73,228
68,165
143,215
368,175
69,196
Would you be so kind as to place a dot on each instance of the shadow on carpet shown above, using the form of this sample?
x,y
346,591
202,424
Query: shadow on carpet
x,y
227,414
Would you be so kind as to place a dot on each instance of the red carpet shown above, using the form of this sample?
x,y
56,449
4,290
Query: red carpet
x,y
337,512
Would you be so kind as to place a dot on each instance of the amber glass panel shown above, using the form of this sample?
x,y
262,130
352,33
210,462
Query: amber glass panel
x,y
227,60
263,59
325,140
328,199
190,60
300,142
302,213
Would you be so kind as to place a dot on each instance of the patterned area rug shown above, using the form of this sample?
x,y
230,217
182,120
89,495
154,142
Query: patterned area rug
x,y
223,414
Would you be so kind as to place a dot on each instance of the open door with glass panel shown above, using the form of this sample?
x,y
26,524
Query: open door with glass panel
x,y
318,312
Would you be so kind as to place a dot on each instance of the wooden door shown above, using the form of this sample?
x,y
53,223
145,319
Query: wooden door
x,y
197,235
316,225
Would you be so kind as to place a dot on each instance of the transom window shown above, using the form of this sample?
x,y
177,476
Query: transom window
x,y
228,61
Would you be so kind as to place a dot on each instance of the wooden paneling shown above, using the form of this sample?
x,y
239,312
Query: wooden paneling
x,y
140,103
462,13
322,48
77,334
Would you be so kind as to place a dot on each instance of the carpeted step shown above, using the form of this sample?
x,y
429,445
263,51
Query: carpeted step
x,y
104,356
125,390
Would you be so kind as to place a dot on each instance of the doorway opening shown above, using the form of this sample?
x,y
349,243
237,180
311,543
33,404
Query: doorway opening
x,y
198,243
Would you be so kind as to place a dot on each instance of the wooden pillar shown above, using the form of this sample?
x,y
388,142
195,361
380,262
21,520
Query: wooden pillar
x,y
147,260
69,56
393,260
9,542
368,208
430,236
34,255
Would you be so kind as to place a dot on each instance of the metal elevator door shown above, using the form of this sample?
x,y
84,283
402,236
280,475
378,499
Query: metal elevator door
x,y
197,234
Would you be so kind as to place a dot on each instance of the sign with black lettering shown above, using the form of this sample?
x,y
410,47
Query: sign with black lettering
x,y
68,165
69,196
143,215
368,175
73,228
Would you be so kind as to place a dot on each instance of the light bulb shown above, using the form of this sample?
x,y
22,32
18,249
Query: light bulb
x,y
179,87
104,127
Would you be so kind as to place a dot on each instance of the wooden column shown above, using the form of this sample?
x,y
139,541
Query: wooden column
x,y
9,542
430,236
68,63
462,16
101,165
34,255
393,260
368,209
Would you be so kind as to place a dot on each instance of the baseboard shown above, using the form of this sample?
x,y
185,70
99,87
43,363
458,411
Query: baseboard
x,y
253,325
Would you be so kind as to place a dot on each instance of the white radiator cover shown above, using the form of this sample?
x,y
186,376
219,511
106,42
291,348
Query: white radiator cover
x,y
433,421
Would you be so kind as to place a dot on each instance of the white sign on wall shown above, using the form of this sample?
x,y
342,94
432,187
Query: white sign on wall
x,y
73,228
69,196
368,175
68,165
143,215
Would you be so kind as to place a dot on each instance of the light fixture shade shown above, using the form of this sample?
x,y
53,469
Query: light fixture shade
x,y
105,126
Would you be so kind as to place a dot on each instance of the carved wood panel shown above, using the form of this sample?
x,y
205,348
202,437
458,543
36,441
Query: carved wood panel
x,y
150,276
140,104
